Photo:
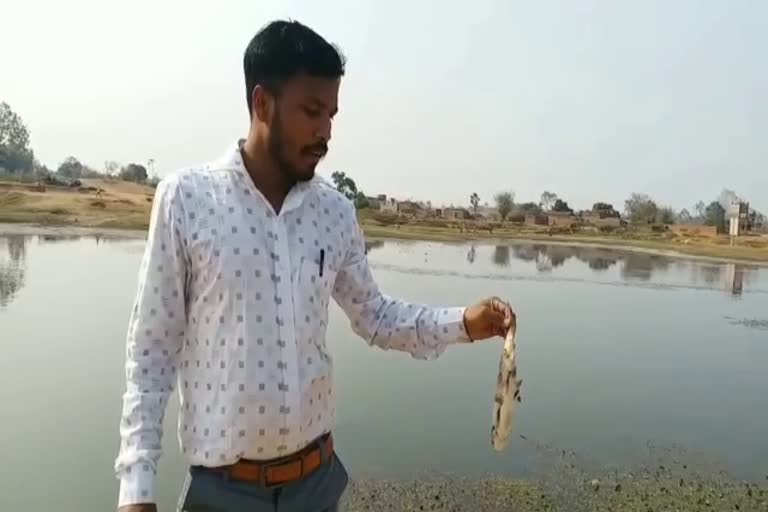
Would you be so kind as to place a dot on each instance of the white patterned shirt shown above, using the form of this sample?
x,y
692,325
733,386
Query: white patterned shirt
x,y
232,308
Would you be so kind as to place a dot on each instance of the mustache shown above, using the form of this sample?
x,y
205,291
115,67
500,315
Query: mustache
x,y
316,148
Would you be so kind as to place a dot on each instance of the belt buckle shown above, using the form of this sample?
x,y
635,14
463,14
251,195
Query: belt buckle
x,y
265,470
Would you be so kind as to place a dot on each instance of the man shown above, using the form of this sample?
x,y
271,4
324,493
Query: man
x,y
242,258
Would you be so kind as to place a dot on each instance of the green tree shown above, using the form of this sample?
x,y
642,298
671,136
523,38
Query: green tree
x,y
345,184
361,201
70,168
714,215
134,172
561,206
505,201
602,207
529,208
641,209
474,200
605,210
15,153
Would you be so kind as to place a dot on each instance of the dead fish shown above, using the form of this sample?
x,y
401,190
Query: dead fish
x,y
507,392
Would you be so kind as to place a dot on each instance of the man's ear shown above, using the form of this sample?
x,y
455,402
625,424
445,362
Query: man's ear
x,y
263,103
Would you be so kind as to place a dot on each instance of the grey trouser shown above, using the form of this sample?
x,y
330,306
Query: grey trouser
x,y
207,491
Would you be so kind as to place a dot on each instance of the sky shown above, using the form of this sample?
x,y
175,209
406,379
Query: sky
x,y
592,100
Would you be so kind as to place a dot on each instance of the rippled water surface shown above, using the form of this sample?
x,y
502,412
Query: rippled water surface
x,y
616,349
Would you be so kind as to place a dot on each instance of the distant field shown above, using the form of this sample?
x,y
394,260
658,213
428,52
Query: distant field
x,y
119,205
127,206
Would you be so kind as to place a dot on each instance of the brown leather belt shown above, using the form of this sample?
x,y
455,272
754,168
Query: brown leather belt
x,y
284,470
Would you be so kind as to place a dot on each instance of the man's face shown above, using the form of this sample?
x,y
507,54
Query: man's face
x,y
299,128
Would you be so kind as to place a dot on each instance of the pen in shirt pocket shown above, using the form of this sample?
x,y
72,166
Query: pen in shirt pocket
x,y
322,261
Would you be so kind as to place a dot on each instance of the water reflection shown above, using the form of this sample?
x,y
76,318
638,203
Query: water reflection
x,y
373,244
53,239
13,251
551,261
635,266
555,261
471,254
642,266
735,276
13,254
501,255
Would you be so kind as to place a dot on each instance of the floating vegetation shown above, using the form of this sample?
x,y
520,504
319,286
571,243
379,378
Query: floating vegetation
x,y
752,323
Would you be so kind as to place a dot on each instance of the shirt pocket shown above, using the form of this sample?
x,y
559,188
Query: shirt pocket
x,y
312,293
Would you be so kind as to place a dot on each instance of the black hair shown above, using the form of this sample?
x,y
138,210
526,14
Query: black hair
x,y
283,49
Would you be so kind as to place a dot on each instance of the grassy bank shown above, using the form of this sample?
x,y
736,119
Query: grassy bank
x,y
117,204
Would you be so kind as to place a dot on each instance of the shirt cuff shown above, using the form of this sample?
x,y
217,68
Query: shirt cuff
x,y
137,485
451,325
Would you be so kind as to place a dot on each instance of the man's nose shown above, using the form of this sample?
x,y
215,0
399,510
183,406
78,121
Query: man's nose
x,y
324,130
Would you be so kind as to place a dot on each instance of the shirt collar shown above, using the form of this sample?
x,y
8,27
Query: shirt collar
x,y
233,159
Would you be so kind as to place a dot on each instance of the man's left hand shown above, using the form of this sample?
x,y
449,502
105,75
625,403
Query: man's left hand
x,y
488,318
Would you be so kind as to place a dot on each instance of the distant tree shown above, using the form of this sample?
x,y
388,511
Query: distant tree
x,y
15,153
602,207
548,200
561,206
529,208
666,215
41,170
756,220
605,210
134,172
70,168
641,209
474,200
684,217
714,215
700,208
345,184
361,201
111,167
89,172
505,201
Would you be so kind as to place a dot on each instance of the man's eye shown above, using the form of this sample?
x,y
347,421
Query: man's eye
x,y
312,112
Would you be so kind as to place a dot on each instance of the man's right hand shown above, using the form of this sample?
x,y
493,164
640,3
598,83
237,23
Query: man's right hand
x,y
143,507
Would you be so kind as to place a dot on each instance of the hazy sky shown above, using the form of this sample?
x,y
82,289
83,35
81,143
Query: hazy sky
x,y
589,99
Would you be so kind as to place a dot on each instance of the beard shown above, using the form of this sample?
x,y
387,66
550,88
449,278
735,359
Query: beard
x,y
278,151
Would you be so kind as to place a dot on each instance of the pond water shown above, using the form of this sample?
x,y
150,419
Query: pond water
x,y
617,350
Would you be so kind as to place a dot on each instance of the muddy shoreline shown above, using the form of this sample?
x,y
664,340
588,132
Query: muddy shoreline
x,y
640,493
